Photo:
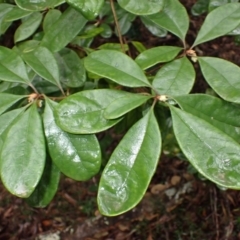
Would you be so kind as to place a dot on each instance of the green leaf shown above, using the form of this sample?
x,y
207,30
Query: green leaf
x,y
123,105
82,113
175,78
221,114
219,22
51,17
127,174
217,3
38,5
142,7
222,76
200,7
116,66
107,31
77,156
47,186
139,46
153,27
213,153
64,30
72,71
12,67
156,55
173,18
28,27
15,14
23,154
4,9
114,46
42,61
125,23
7,100
89,9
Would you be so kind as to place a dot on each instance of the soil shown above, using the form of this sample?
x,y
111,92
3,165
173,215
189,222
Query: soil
x,y
178,205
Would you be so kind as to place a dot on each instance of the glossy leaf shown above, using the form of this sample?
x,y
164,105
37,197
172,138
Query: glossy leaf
x,y
4,9
51,17
15,14
127,174
213,153
156,55
72,71
200,7
155,29
77,156
82,113
217,3
89,9
219,22
47,186
12,68
42,61
142,7
23,153
63,30
222,76
221,114
175,78
28,27
123,105
125,23
116,66
7,100
31,5
173,18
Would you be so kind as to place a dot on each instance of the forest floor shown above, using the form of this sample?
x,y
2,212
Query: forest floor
x,y
178,205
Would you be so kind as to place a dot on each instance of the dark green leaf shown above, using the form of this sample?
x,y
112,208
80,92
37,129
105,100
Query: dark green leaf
x,y
64,30
173,18
219,22
72,71
221,114
15,14
47,186
142,7
116,66
213,153
82,113
12,68
89,9
175,78
7,100
222,76
77,156
128,173
156,55
122,105
23,154
200,7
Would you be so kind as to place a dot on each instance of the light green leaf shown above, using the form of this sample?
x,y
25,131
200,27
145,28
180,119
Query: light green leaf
x,y
23,154
142,7
15,14
123,105
139,46
153,27
221,114
47,186
51,17
37,5
28,27
89,9
72,71
173,18
213,153
114,46
77,156
156,55
42,61
219,22
7,100
64,30
116,66
222,76
12,68
4,9
127,174
175,78
82,113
